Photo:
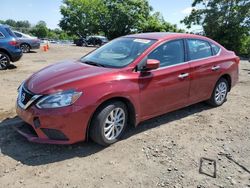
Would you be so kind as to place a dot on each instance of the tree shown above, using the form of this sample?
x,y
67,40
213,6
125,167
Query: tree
x,y
226,21
40,30
121,17
10,22
23,24
114,18
156,23
80,16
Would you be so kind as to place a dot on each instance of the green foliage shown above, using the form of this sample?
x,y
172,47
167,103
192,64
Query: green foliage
x,y
114,18
79,16
123,17
226,21
23,24
245,47
10,22
40,30
156,23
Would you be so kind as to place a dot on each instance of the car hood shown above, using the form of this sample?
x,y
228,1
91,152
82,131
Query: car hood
x,y
58,77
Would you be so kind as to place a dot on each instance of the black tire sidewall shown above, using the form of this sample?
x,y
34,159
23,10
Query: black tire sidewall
x,y
97,125
8,62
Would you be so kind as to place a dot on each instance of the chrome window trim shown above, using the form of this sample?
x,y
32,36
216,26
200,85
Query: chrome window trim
x,y
205,57
3,36
217,46
29,102
186,62
213,55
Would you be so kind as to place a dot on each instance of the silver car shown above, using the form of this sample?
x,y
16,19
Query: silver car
x,y
27,42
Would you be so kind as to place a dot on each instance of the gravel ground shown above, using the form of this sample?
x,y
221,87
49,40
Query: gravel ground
x,y
162,152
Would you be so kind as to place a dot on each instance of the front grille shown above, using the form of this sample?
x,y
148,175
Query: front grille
x,y
26,98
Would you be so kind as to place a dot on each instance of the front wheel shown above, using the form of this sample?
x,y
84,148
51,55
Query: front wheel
x,y
219,94
109,123
4,61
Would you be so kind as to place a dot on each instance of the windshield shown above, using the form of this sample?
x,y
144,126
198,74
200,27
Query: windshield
x,y
118,53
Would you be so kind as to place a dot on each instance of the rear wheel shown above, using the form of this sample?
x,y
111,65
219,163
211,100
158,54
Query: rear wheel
x,y
109,123
219,94
4,61
25,48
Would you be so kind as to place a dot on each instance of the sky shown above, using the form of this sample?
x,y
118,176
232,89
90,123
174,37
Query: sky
x,y
49,11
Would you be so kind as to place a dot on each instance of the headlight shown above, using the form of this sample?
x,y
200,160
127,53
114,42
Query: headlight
x,y
58,100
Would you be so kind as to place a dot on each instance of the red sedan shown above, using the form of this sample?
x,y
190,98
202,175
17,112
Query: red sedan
x,y
126,81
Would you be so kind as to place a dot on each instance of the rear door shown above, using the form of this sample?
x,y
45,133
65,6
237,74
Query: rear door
x,y
166,88
205,69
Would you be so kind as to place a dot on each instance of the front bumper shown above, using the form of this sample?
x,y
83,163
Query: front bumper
x,y
53,126
27,131
15,56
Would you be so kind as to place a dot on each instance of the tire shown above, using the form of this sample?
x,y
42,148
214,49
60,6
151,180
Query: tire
x,y
4,61
219,95
25,48
103,129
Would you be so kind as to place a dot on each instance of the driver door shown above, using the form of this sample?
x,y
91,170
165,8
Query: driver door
x,y
166,88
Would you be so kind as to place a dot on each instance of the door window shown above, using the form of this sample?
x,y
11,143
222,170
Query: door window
x,y
170,53
198,49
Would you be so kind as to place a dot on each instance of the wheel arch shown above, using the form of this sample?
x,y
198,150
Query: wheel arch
x,y
130,106
229,80
22,43
6,52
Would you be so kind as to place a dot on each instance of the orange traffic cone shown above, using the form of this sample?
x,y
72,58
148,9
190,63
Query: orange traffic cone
x,y
45,48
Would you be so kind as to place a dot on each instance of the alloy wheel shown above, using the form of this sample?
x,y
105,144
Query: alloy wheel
x,y
220,93
114,124
3,61
25,48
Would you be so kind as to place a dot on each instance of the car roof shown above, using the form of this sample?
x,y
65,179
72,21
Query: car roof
x,y
164,35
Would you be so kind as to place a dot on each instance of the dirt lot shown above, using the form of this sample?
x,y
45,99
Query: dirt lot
x,y
162,152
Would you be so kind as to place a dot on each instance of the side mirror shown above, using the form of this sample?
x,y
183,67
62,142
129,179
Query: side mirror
x,y
152,64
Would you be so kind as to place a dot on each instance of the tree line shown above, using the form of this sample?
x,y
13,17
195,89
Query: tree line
x,y
225,21
112,18
39,30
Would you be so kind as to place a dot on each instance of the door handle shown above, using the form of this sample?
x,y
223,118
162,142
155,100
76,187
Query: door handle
x,y
215,68
183,75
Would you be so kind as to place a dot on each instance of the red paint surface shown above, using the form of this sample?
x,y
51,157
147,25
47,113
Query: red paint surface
x,y
152,94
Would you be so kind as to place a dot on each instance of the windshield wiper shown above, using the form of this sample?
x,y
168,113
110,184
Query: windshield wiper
x,y
93,63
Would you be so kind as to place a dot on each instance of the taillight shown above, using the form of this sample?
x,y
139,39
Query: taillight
x,y
237,60
13,43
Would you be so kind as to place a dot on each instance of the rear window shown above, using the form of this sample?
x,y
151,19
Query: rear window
x,y
198,49
215,49
10,32
18,35
1,35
